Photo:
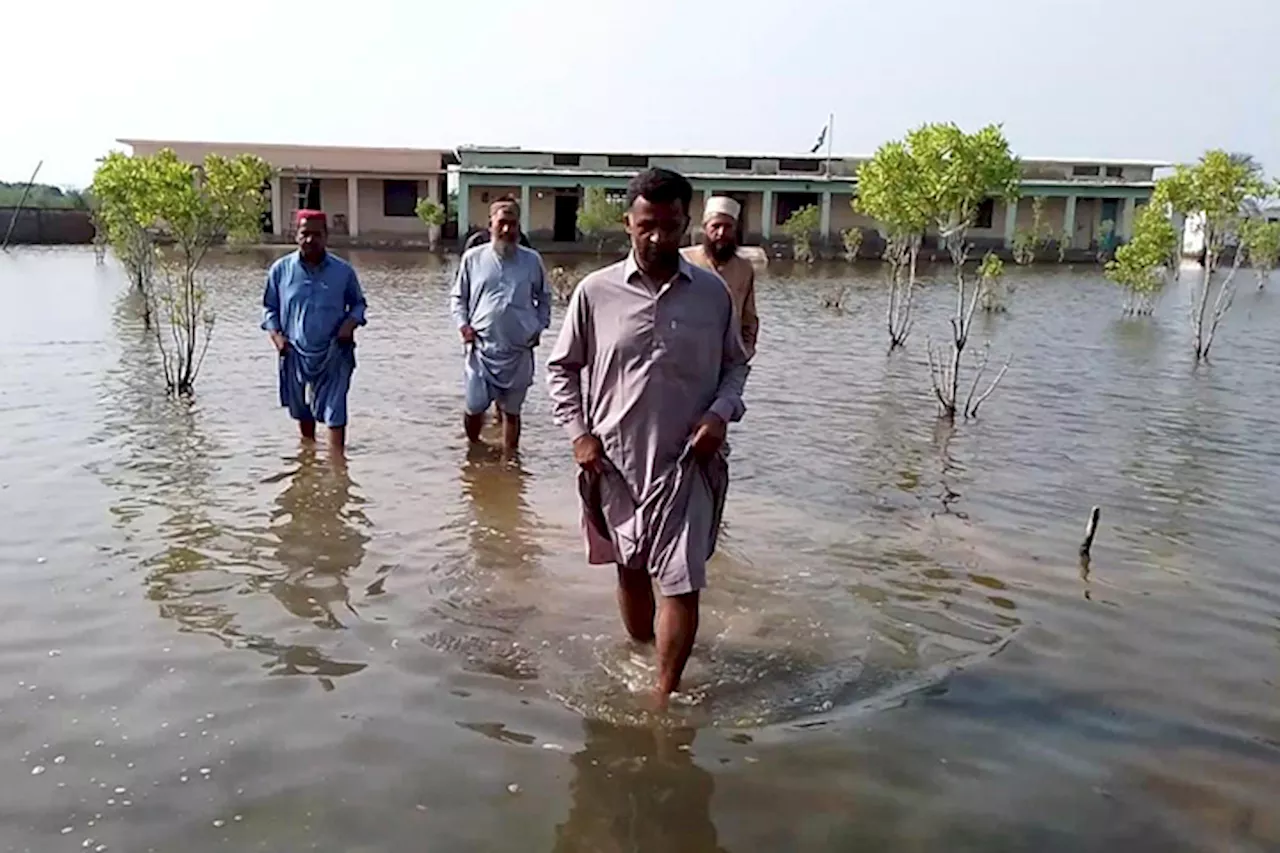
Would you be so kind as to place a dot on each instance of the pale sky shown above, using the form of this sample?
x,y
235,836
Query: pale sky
x,y
1145,79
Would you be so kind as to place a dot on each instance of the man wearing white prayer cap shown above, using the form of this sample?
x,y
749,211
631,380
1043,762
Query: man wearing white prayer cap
x,y
718,253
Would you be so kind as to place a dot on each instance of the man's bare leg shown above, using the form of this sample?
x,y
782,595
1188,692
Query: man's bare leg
x,y
677,627
510,431
337,441
308,430
473,424
635,601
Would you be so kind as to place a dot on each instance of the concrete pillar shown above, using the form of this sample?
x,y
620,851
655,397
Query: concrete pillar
x,y
524,208
766,215
277,207
1126,218
464,208
1010,222
1069,221
353,206
824,224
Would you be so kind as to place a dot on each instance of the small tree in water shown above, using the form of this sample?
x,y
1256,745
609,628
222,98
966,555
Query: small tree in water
x,y
852,240
1263,241
1141,266
431,213
1216,188
123,218
991,282
599,216
957,172
195,208
800,226
890,191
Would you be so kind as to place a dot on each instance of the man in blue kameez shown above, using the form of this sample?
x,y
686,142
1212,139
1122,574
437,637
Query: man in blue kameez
x,y
311,308
501,305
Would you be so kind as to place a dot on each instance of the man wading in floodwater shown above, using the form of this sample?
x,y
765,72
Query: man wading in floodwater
x,y
311,308
719,253
501,304
646,375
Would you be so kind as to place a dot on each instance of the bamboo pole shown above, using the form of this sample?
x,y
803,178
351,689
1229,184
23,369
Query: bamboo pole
x,y
13,220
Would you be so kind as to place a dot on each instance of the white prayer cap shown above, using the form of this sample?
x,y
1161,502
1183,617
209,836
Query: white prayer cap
x,y
721,204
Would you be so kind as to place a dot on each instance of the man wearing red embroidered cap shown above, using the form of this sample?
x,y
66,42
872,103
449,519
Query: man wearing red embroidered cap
x,y
311,308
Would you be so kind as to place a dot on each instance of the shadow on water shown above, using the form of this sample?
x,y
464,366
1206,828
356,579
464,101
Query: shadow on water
x,y
637,789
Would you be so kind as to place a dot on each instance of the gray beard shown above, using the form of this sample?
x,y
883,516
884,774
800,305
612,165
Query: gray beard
x,y
505,248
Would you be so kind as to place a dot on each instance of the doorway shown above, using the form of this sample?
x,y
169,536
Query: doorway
x,y
1110,213
565,229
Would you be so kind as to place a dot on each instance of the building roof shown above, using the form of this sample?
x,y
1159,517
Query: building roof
x,y
757,155
319,157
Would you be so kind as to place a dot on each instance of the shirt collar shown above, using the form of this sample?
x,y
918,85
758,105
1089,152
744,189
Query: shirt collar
x,y
324,262
630,269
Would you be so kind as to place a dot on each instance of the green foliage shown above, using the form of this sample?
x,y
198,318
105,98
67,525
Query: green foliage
x,y
1261,240
1028,243
1216,187
599,215
430,212
142,200
852,239
800,226
1064,239
43,197
1219,188
991,267
991,283
1140,265
1024,246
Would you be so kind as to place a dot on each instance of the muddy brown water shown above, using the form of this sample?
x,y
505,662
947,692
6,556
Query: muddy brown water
x,y
213,640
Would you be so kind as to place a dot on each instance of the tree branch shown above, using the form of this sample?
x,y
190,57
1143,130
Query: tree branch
x,y
973,413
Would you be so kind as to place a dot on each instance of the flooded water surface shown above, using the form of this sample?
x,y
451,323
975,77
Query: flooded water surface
x,y
212,638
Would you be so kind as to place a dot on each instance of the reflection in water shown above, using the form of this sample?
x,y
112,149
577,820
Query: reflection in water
x,y
317,523
638,789
502,527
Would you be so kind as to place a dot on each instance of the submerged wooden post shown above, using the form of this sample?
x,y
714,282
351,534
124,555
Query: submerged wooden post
x,y
1090,530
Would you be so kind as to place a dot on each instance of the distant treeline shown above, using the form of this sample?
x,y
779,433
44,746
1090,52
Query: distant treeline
x,y
43,197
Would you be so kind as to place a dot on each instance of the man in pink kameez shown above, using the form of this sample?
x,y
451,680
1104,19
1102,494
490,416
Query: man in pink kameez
x,y
646,375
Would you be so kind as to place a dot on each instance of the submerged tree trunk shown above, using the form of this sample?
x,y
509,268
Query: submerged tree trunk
x,y
946,374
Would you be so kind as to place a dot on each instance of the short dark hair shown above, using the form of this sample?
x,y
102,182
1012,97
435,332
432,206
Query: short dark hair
x,y
660,186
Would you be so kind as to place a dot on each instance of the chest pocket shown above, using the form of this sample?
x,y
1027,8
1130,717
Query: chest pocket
x,y
691,345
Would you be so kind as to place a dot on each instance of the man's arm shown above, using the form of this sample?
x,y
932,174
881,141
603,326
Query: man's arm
x,y
354,297
542,297
734,369
271,301
460,296
750,320
564,367
271,309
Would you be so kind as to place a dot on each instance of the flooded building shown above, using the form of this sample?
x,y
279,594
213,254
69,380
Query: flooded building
x,y
1090,199
368,193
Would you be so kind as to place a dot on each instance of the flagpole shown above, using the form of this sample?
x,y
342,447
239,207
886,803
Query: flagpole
x,y
831,132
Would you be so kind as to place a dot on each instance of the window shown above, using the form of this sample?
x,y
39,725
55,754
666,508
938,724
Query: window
x,y
566,159
1085,171
986,214
738,164
795,164
1115,171
399,198
628,161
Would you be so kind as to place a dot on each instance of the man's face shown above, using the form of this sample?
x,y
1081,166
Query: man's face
x,y
312,238
504,228
656,231
720,236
